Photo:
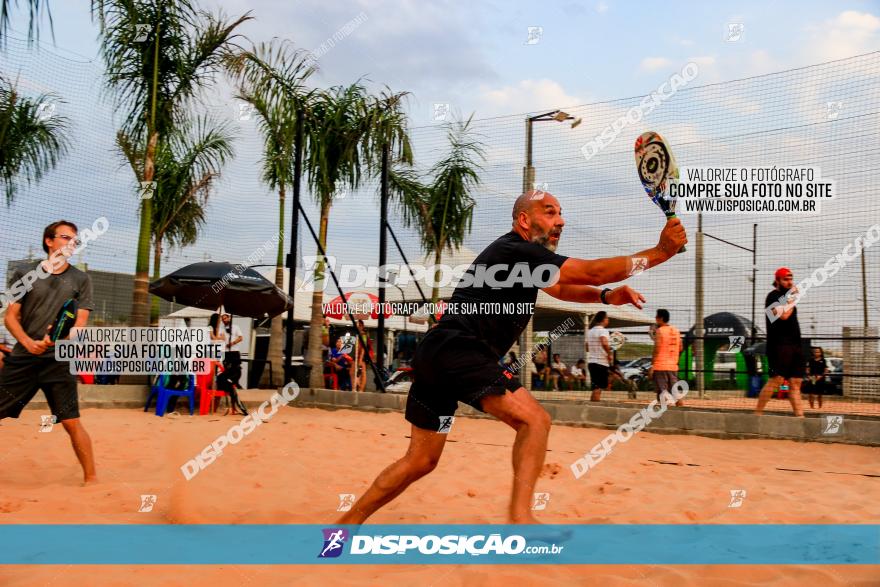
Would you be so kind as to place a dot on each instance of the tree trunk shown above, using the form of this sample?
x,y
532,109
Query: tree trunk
x,y
157,264
313,357
140,298
275,353
435,289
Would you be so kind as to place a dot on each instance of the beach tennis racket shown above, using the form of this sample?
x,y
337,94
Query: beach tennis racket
x,y
64,321
656,166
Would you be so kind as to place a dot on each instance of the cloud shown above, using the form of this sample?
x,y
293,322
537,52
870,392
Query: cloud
x,y
525,96
849,33
407,45
602,7
654,63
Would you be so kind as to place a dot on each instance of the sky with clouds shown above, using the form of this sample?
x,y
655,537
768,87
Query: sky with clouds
x,y
479,58
475,55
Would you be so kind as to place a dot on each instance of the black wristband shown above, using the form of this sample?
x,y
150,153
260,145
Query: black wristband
x,y
602,295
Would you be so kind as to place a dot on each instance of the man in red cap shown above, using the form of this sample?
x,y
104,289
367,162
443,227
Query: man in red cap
x,y
784,351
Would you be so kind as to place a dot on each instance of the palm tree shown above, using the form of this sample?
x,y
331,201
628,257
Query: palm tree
x,y
333,161
32,138
443,209
188,164
270,79
156,80
345,131
35,8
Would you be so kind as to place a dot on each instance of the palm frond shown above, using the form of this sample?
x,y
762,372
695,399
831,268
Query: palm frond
x,y
33,139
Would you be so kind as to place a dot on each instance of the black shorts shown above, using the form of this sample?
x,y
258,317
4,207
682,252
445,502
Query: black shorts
x,y
786,361
23,375
451,366
598,375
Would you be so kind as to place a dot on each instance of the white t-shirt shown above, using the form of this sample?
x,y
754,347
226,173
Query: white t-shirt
x,y
596,353
576,371
236,333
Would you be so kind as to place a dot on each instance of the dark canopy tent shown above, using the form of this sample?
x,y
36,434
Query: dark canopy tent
x,y
717,330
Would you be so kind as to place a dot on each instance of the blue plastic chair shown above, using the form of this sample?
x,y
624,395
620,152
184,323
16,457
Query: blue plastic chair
x,y
162,393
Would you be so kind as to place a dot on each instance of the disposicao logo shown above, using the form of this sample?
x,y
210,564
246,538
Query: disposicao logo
x,y
334,539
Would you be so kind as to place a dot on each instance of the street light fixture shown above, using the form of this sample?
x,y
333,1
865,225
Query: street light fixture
x,y
554,115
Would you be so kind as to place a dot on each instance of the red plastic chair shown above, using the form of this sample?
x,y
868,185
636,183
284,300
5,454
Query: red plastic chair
x,y
206,394
331,380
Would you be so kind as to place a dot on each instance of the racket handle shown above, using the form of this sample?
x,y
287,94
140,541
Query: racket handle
x,y
683,249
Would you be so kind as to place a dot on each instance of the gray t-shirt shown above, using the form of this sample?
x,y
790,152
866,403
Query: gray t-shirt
x,y
41,304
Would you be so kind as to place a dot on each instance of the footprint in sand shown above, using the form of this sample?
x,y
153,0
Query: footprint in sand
x,y
551,470
608,488
7,507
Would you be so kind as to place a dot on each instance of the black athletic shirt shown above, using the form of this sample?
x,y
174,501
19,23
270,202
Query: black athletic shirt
x,y
818,367
782,332
521,258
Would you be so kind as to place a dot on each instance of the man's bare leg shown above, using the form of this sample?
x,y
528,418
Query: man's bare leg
x,y
422,456
772,385
794,396
524,414
82,446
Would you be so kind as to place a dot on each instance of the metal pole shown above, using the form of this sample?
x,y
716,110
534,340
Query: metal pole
x,y
291,256
698,302
527,184
323,253
864,294
754,276
383,219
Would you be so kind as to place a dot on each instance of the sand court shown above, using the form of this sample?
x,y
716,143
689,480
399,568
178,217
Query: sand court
x,y
292,470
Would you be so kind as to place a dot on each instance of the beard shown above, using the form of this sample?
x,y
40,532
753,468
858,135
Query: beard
x,y
544,239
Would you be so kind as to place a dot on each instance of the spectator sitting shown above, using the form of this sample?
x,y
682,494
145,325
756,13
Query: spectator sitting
x,y
579,374
558,370
541,368
340,363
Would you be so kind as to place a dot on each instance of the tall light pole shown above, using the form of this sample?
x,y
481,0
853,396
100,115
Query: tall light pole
x,y
864,294
528,184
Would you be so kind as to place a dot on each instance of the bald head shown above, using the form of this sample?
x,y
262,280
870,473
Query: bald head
x,y
542,223
533,200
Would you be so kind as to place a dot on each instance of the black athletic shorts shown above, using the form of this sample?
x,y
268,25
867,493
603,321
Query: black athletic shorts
x,y
598,375
451,366
23,375
786,361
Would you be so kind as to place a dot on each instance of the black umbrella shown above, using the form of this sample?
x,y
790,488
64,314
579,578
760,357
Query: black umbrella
x,y
209,285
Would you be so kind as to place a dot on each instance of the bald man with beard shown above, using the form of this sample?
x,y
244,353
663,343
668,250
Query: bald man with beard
x,y
458,361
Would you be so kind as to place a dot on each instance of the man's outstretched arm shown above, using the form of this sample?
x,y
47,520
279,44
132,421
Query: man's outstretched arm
x,y
586,294
613,269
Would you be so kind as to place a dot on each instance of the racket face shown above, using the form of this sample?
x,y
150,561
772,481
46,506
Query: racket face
x,y
616,340
656,166
64,321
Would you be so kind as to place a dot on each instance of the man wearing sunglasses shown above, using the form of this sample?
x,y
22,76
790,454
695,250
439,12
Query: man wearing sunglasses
x,y
39,292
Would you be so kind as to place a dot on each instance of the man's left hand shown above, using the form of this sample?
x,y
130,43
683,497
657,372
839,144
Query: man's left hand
x,y
620,296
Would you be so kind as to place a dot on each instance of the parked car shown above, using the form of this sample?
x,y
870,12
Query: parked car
x,y
400,381
835,376
636,369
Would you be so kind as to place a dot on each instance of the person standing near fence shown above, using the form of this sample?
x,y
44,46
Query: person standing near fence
x,y
667,348
818,370
599,355
362,351
32,366
784,352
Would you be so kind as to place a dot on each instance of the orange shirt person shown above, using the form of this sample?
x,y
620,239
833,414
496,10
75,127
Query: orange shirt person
x,y
667,348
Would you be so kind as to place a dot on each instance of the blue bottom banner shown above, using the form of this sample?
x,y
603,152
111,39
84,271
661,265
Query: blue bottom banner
x,y
572,544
